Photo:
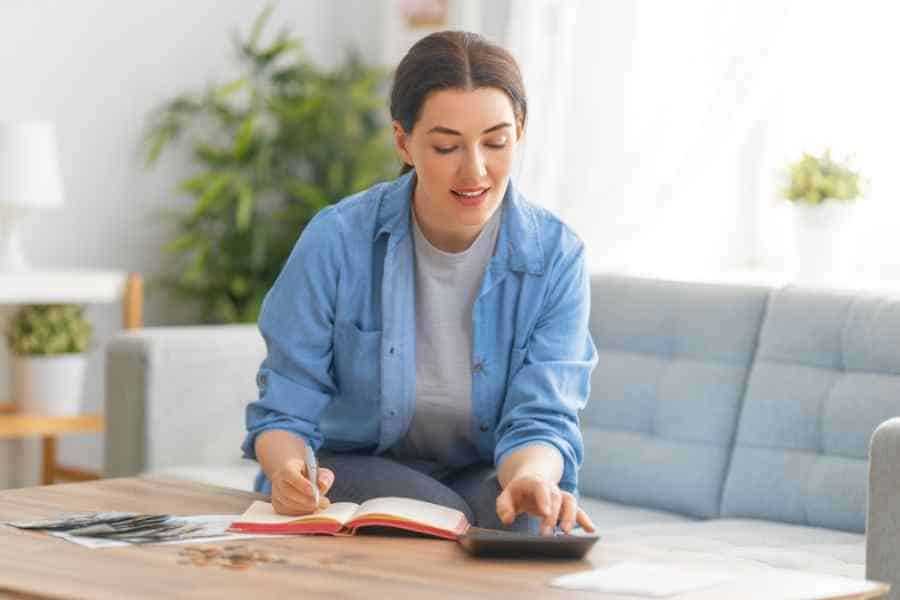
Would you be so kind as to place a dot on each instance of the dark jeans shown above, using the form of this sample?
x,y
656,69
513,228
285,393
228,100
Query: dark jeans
x,y
472,490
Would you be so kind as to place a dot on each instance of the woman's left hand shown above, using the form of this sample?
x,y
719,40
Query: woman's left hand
x,y
542,498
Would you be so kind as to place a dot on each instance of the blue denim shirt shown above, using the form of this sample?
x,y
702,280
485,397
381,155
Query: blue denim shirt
x,y
339,327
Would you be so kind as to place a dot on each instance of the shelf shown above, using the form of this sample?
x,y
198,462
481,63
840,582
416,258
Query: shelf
x,y
15,425
62,286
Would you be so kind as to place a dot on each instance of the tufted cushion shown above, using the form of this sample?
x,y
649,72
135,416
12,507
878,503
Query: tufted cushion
x,y
606,515
673,361
761,542
826,374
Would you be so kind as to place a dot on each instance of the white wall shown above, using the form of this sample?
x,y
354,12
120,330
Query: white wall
x,y
96,68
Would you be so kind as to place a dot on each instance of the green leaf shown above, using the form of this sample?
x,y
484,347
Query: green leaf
x,y
244,137
212,195
212,154
258,24
231,88
244,209
185,241
156,142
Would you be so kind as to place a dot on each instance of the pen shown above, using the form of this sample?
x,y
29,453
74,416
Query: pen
x,y
312,470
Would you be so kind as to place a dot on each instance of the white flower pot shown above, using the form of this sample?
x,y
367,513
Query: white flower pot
x,y
49,385
823,242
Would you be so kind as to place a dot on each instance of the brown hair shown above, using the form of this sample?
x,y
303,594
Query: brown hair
x,y
453,60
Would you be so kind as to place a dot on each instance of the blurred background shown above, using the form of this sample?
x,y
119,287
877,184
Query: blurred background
x,y
681,139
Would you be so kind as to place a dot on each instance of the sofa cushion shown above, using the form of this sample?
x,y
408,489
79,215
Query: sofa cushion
x,y
777,545
826,374
606,515
673,361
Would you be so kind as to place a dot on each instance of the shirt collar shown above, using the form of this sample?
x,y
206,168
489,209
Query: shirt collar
x,y
518,242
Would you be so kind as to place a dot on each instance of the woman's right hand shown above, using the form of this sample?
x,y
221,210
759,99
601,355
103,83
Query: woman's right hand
x,y
292,492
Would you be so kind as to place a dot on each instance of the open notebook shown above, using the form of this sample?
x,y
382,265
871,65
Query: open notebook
x,y
344,518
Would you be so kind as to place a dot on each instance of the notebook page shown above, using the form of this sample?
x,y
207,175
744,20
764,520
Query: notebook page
x,y
434,515
262,512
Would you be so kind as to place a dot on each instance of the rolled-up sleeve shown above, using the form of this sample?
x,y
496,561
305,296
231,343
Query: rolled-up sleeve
x,y
552,383
297,322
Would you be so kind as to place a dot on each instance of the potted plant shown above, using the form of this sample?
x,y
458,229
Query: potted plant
x,y
270,148
49,345
822,192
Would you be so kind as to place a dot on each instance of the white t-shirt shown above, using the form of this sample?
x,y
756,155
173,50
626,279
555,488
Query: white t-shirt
x,y
446,286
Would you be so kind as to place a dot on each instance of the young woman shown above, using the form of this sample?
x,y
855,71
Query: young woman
x,y
428,336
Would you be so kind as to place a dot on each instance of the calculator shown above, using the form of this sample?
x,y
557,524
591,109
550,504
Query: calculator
x,y
497,543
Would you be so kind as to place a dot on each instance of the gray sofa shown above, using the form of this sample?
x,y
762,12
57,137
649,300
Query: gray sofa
x,y
759,424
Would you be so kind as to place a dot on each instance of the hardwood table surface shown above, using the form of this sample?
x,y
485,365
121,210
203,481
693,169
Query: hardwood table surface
x,y
36,565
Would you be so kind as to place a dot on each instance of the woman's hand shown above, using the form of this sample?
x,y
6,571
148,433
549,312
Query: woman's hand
x,y
539,497
292,492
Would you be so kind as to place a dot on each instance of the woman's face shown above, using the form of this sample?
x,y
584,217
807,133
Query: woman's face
x,y
462,148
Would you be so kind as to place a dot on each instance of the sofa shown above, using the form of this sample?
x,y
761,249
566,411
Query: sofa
x,y
756,423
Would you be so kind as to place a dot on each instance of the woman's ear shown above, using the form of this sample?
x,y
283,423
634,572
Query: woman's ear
x,y
401,143
520,130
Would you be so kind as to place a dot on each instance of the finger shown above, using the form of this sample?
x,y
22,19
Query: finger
x,y
506,509
286,504
543,498
293,499
326,479
552,515
298,481
567,512
585,521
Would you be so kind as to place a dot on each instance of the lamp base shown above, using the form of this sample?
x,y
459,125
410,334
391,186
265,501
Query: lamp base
x,y
12,257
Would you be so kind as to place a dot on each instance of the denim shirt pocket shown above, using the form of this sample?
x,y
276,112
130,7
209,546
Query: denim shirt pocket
x,y
357,365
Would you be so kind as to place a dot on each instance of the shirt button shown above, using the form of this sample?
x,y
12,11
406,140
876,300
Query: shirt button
x,y
260,379
484,427
477,367
392,412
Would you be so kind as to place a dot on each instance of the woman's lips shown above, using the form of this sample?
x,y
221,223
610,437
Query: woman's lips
x,y
470,197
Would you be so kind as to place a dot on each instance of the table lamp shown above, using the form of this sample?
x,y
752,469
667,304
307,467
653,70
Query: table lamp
x,y
29,181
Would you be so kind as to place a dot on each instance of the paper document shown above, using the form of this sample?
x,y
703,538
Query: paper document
x,y
653,580
213,530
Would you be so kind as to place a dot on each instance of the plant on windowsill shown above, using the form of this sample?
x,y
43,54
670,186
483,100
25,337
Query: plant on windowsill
x,y
822,192
49,343
272,147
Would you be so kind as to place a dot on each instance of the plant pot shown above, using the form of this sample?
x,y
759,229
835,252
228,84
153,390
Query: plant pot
x,y
49,385
823,241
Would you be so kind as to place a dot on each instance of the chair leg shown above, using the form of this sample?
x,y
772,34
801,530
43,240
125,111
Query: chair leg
x,y
48,460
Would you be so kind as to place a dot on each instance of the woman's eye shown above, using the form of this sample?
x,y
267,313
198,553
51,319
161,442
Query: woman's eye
x,y
496,146
446,150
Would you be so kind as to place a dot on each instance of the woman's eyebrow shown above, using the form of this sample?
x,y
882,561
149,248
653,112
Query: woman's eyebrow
x,y
447,130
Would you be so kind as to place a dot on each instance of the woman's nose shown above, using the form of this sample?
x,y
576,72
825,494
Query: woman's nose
x,y
474,166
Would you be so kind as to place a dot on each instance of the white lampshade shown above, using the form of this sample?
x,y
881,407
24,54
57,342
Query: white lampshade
x,y
29,165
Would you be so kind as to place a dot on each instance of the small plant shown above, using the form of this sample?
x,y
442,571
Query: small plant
x,y
815,179
48,329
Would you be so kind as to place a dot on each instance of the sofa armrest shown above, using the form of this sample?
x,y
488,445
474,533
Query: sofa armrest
x,y
176,396
883,521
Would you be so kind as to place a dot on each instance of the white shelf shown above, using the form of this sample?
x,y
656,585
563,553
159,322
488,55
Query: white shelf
x,y
62,286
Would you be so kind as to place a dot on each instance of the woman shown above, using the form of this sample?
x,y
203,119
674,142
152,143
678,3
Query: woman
x,y
428,336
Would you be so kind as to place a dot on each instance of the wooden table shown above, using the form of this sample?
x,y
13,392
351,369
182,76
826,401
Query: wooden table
x,y
34,565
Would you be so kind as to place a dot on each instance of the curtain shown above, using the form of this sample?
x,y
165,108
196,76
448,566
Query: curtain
x,y
640,112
